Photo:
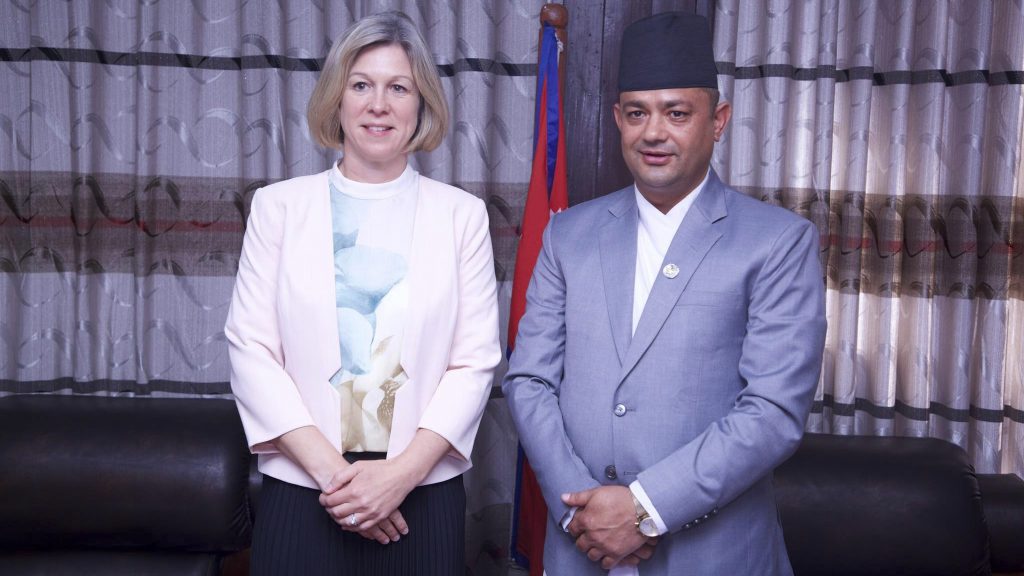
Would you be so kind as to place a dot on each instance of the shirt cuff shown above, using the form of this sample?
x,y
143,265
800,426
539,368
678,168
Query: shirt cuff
x,y
567,519
641,496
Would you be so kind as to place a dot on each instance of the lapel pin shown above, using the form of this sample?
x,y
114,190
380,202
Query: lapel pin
x,y
670,271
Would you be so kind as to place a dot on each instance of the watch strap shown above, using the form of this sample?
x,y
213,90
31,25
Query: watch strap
x,y
641,512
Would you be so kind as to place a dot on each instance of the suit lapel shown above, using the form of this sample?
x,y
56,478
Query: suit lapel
x,y
618,264
693,240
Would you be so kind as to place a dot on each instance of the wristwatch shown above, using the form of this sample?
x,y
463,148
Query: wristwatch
x,y
644,523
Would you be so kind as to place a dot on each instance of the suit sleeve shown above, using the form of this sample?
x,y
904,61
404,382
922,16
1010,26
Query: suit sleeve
x,y
532,383
268,401
780,363
475,348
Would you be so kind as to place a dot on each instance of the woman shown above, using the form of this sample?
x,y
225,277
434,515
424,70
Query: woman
x,y
364,418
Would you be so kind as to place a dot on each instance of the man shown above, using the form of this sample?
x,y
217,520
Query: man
x,y
671,344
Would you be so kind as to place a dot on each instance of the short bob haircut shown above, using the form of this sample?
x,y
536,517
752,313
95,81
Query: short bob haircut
x,y
377,30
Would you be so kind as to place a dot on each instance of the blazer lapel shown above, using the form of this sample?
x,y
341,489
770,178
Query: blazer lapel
x,y
422,265
617,244
693,240
320,247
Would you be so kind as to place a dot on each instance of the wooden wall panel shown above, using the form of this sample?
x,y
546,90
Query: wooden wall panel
x,y
583,96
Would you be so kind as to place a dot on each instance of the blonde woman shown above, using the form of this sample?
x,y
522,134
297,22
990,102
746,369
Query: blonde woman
x,y
363,330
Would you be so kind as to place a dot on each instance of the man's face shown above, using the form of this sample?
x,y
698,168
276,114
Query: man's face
x,y
667,140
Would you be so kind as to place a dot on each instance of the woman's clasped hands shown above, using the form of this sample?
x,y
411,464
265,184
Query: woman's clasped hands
x,y
364,496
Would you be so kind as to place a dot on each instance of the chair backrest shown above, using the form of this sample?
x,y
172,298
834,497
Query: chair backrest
x,y
123,473
858,505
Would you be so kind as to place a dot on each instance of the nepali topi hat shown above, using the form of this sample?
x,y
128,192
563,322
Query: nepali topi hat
x,y
668,50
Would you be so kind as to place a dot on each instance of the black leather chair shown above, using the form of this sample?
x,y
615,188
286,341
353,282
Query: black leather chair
x,y
1003,495
856,505
100,485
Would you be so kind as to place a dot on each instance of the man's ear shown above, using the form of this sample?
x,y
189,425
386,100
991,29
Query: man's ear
x,y
723,112
617,113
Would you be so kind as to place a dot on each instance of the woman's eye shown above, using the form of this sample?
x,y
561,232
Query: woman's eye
x,y
399,88
360,86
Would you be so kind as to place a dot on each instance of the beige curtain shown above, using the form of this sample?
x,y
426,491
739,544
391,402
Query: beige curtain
x,y
897,127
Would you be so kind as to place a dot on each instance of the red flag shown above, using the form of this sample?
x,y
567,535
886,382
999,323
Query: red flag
x,y
548,193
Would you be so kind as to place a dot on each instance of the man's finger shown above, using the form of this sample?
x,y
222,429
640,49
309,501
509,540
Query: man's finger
x,y
644,552
577,499
631,560
574,529
583,542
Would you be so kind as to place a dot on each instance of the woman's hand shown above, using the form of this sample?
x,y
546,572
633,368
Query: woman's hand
x,y
389,530
310,449
372,490
367,494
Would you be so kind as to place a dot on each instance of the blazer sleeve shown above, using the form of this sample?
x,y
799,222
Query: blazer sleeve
x,y
268,401
457,405
534,377
780,363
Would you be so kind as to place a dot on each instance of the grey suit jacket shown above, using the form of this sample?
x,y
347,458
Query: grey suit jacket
x,y
716,383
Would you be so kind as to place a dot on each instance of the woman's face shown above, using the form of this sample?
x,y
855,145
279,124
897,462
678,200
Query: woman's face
x,y
378,114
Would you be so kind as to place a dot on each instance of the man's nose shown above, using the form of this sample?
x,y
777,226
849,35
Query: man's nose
x,y
655,130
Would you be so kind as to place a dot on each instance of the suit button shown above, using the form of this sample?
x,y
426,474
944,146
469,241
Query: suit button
x,y
620,409
687,526
610,473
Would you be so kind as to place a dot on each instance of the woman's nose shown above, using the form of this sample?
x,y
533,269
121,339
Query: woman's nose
x,y
378,102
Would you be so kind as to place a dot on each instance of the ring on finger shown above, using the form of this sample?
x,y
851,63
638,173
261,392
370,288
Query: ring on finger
x,y
352,519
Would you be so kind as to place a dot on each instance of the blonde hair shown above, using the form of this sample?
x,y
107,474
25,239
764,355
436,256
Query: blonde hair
x,y
379,29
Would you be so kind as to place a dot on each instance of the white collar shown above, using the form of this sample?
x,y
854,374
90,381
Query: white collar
x,y
652,218
363,190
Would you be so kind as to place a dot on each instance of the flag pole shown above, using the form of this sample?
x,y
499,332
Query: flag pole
x,y
557,17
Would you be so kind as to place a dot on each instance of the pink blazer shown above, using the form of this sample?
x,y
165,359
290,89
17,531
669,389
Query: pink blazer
x,y
283,335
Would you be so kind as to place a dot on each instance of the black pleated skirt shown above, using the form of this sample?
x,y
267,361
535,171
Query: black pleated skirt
x,y
293,534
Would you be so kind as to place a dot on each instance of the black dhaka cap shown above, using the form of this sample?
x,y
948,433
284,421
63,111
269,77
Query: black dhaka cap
x,y
668,50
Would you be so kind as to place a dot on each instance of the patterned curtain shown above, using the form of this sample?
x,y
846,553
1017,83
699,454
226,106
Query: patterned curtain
x,y
132,137
897,127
